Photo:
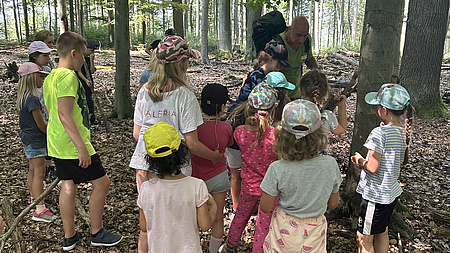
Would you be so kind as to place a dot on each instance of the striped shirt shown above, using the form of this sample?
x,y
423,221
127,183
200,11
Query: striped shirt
x,y
382,186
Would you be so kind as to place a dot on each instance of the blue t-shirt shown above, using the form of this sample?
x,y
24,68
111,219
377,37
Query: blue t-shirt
x,y
145,76
30,132
252,80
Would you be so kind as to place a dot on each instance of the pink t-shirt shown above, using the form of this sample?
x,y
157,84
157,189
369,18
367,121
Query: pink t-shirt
x,y
212,135
255,161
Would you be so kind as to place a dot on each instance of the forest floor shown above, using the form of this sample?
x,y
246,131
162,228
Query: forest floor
x,y
426,178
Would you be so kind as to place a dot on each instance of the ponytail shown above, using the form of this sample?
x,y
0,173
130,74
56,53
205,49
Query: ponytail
x,y
261,119
409,119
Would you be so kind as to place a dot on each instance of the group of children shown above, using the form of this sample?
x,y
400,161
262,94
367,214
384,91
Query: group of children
x,y
279,147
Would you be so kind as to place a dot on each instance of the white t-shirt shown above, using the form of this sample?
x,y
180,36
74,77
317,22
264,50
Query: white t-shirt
x,y
179,108
170,209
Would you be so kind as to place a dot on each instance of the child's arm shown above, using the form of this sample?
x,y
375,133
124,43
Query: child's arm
x,y
92,68
333,200
206,214
37,115
136,130
342,117
199,149
266,202
142,221
371,164
80,75
65,108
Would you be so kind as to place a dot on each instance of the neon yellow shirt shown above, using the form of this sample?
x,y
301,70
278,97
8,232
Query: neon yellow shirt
x,y
62,82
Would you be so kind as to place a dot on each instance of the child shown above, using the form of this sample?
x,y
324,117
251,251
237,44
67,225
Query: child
x,y
215,134
166,97
172,206
379,184
305,181
314,87
33,130
85,76
278,81
255,140
68,142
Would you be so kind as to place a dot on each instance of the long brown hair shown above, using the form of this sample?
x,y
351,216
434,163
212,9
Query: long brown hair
x,y
408,114
314,86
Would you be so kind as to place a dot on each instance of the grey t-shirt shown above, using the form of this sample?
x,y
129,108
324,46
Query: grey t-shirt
x,y
31,134
304,186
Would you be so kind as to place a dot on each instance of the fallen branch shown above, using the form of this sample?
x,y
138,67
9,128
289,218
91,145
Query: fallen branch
x,y
441,216
81,211
344,58
25,212
333,101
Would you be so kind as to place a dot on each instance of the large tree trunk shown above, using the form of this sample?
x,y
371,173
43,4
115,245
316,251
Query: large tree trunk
x,y
62,10
122,95
422,55
251,15
205,26
381,32
178,19
4,20
25,19
80,22
224,26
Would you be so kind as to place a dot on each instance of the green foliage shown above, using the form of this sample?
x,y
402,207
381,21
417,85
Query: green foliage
x,y
431,111
101,34
22,56
196,42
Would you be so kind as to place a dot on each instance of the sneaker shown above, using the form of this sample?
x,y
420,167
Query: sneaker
x,y
105,238
224,248
45,216
70,243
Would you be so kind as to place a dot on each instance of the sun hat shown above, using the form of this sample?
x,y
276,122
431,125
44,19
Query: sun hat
x,y
262,97
392,96
278,80
214,93
173,49
279,52
29,68
301,117
161,135
39,46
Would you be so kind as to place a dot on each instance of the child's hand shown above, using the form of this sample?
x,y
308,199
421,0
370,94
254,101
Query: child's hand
x,y
342,100
218,157
88,83
356,158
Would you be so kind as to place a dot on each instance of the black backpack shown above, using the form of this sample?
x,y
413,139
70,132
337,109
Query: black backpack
x,y
269,27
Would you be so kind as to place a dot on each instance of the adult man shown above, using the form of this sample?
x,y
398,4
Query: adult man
x,y
294,39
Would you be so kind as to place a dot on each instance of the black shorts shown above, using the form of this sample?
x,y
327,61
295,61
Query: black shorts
x,y
68,169
373,217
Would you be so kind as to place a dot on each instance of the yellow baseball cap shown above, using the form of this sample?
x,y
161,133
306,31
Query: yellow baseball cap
x,y
161,135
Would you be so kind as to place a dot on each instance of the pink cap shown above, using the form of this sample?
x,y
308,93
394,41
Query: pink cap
x,y
29,68
39,46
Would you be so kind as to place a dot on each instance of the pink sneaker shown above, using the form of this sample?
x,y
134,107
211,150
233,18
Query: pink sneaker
x,y
45,216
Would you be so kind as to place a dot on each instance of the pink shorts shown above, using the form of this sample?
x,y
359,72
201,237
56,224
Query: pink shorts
x,y
292,234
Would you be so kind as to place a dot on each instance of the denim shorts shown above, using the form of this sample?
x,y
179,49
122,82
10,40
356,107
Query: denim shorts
x,y
219,183
34,152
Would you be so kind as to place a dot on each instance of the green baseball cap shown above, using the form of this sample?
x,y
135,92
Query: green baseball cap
x,y
278,80
392,96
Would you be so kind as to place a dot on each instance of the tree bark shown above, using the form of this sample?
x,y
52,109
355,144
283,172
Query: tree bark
x,y
25,19
205,26
80,17
111,23
378,47
49,16
72,18
236,21
55,8
197,17
224,26
422,55
178,19
16,22
62,10
33,9
251,15
354,21
122,95
4,20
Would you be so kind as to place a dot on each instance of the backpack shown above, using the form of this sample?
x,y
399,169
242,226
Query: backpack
x,y
268,27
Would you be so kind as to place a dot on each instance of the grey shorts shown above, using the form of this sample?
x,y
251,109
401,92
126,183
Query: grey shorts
x,y
233,156
219,183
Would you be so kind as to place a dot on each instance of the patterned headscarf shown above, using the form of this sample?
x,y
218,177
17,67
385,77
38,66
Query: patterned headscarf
x,y
174,49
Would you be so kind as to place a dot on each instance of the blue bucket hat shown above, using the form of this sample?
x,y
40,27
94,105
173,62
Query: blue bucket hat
x,y
392,96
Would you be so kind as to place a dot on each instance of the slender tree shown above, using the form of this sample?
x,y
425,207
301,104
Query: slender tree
x,y
16,22
4,20
80,23
71,14
354,21
205,24
62,10
224,26
110,22
25,19
49,16
33,9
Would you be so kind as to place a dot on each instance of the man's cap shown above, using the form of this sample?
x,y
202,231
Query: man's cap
x,y
29,68
92,44
279,52
170,31
214,93
278,80
161,135
392,96
262,97
301,117
174,49
39,46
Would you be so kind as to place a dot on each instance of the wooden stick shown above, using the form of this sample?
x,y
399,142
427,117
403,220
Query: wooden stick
x,y
333,101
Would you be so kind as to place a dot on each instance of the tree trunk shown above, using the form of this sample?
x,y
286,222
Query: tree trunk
x,y
422,55
49,16
447,38
378,47
25,18
80,17
341,29
251,15
72,18
16,22
55,8
144,32
316,40
291,12
236,22
178,19
205,26
224,26
62,10
122,95
197,17
186,18
354,21
111,23
33,9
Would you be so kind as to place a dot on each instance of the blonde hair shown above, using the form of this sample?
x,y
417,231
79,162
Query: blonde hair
x,y
287,147
26,86
160,75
